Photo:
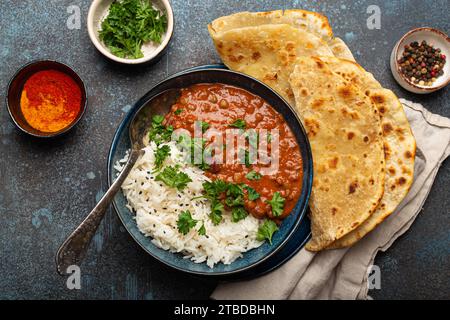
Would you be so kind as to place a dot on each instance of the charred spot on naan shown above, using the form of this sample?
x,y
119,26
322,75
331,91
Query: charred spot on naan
x,y
312,127
318,103
332,163
352,187
350,135
378,99
387,128
347,92
387,151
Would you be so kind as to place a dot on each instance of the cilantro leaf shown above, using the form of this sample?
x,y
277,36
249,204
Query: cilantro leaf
x,y
161,153
205,126
158,132
202,230
253,175
239,123
252,193
178,112
173,178
130,24
235,201
217,209
238,213
215,188
252,137
235,190
266,231
277,204
247,158
185,222
157,119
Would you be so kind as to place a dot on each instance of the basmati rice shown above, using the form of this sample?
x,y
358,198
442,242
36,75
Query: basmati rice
x,y
157,207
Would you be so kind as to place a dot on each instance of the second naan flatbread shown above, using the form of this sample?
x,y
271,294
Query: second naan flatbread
x,y
268,52
346,141
398,140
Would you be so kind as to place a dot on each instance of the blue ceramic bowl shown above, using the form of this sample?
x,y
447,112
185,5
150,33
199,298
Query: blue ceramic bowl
x,y
288,227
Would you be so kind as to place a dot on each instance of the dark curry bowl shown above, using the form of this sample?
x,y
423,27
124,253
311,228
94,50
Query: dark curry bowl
x,y
15,88
288,227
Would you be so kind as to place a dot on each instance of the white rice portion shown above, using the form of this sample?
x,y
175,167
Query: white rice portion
x,y
157,207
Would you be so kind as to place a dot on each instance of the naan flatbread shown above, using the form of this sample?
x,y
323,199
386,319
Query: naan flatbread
x,y
345,134
399,145
312,22
268,52
340,49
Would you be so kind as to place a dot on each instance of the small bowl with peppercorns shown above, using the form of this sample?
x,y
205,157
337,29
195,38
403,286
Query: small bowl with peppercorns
x,y
419,60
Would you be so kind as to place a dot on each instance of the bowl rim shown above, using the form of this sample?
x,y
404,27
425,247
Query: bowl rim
x,y
424,89
308,188
154,54
66,129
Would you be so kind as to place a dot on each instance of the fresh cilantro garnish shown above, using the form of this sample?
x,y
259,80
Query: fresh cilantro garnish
x,y
194,146
215,188
253,138
212,191
252,193
247,158
185,222
269,137
235,201
158,132
173,178
161,154
266,231
205,126
130,24
220,192
235,195
217,210
178,112
235,190
244,155
277,204
238,213
253,175
158,119
202,230
239,123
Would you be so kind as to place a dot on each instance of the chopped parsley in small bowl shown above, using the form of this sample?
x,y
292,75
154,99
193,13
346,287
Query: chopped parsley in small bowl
x,y
131,31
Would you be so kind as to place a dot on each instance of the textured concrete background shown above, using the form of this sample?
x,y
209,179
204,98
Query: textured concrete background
x,y
47,187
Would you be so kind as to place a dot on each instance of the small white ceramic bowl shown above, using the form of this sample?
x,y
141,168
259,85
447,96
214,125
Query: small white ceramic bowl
x,y
431,36
98,12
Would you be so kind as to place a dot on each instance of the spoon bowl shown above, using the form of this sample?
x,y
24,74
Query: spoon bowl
x,y
252,258
73,250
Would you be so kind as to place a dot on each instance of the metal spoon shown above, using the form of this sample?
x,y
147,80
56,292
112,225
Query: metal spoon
x,y
73,250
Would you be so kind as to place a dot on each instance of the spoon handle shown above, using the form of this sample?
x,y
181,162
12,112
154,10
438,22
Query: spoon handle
x,y
73,250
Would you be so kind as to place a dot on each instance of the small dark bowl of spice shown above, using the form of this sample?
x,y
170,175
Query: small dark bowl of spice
x,y
46,98
419,60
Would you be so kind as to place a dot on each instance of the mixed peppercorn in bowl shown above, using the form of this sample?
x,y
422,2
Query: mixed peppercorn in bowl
x,y
419,60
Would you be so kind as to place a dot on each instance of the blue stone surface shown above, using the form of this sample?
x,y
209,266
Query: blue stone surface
x,y
47,187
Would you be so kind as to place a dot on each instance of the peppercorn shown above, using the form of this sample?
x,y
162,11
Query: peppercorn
x,y
422,63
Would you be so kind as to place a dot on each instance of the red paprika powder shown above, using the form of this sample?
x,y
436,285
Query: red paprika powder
x,y
50,100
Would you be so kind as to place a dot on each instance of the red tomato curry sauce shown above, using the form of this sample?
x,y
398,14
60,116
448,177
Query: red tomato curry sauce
x,y
220,105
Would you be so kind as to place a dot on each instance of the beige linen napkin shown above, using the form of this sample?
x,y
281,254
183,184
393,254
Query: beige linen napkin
x,y
342,274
